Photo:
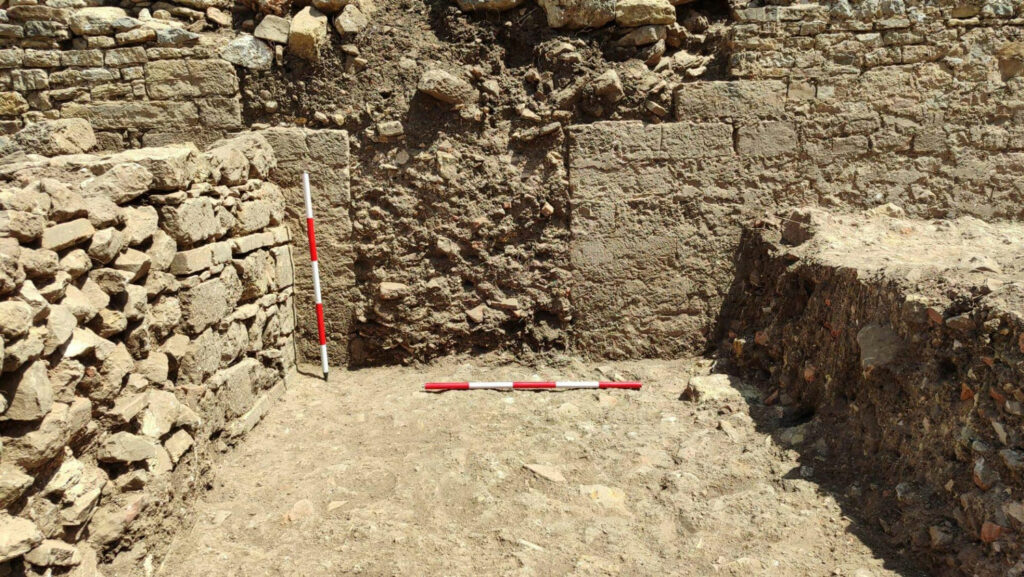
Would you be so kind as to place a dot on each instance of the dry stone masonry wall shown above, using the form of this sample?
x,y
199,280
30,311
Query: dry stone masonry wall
x,y
146,318
904,340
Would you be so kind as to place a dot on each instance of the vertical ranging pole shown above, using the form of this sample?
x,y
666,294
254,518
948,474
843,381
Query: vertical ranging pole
x,y
316,274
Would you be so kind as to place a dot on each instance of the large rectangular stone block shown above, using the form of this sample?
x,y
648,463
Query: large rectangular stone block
x,y
138,115
644,262
325,155
730,99
181,79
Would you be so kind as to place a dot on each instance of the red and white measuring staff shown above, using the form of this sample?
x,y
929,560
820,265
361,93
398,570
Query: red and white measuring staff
x,y
316,274
520,385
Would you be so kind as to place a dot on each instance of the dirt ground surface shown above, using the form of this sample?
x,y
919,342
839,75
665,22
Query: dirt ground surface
x,y
367,474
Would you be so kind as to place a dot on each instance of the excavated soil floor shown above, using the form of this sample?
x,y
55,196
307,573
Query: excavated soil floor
x,y
367,474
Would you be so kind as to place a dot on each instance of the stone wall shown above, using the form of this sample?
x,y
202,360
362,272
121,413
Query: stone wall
x,y
324,155
146,318
843,109
892,351
138,80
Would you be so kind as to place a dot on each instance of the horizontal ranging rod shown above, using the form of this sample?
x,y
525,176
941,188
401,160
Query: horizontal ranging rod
x,y
534,385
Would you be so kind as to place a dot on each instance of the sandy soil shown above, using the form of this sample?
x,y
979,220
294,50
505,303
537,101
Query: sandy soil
x,y
366,474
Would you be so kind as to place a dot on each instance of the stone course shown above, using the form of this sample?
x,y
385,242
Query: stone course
x,y
136,329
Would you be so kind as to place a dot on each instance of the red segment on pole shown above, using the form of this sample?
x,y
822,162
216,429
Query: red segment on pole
x,y
445,386
320,323
606,385
312,238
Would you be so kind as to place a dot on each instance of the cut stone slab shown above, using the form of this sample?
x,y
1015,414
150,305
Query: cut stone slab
x,y
68,234
97,20
644,12
125,447
273,29
121,183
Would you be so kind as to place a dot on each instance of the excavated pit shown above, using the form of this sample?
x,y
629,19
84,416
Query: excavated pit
x,y
509,189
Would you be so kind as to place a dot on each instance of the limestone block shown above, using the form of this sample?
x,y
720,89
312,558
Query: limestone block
x,y
447,87
135,263
60,324
182,79
275,28
179,443
15,319
98,21
54,553
644,12
162,251
730,99
201,358
124,447
227,165
106,244
141,223
13,484
139,115
28,392
173,167
308,34
17,537
40,263
578,13
154,367
256,149
56,137
121,183
205,305
191,222
767,139
68,234
75,263
249,52
23,226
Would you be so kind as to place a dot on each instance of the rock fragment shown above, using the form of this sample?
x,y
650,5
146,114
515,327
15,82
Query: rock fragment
x,y
308,34
447,88
250,52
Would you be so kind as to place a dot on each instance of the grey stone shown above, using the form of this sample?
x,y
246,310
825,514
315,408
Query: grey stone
x,y
249,52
